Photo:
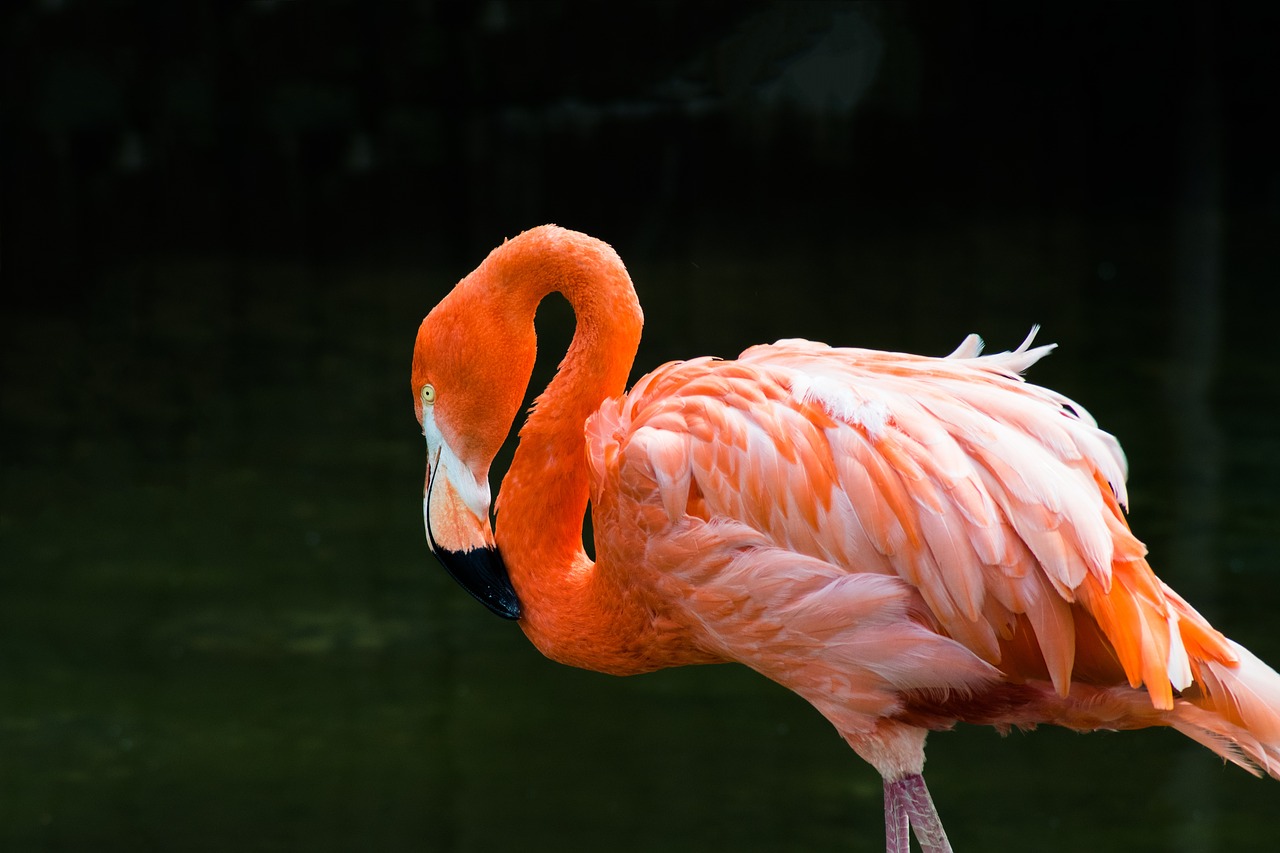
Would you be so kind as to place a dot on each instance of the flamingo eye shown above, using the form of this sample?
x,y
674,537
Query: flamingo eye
x,y
428,395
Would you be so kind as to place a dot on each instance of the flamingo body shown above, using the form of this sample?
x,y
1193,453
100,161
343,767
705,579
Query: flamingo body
x,y
904,541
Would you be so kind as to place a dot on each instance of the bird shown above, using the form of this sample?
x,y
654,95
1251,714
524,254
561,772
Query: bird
x,y
904,541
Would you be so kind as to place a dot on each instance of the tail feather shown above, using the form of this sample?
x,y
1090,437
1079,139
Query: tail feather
x,y
1232,743
1247,694
1234,709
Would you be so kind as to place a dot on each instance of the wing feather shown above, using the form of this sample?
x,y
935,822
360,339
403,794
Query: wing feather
x,y
998,501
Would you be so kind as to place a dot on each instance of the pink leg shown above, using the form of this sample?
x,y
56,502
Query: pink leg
x,y
897,834
907,801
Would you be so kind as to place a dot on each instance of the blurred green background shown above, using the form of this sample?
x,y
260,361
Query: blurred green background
x,y
220,225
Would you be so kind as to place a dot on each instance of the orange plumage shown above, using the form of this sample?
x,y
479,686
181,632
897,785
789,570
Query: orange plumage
x,y
904,541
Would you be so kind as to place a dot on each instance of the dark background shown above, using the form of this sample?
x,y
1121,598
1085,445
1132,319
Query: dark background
x,y
329,131
220,225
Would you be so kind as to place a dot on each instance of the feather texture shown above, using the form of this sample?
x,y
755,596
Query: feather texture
x,y
994,503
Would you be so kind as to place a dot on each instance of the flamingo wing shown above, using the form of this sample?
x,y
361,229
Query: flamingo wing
x,y
998,501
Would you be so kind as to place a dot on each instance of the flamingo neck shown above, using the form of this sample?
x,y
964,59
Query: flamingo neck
x,y
543,498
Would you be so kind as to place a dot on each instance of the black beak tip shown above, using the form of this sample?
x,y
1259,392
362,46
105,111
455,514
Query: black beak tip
x,y
503,603
481,572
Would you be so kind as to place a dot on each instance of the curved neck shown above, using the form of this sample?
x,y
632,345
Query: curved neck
x,y
543,498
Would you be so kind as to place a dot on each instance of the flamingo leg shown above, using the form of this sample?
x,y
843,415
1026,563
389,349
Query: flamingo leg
x,y
907,803
897,832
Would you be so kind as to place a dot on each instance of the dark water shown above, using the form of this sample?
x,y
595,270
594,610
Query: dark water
x,y
221,627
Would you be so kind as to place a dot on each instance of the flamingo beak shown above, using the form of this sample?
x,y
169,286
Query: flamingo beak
x,y
482,573
462,540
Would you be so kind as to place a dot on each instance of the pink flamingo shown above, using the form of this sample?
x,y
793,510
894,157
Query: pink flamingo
x,y
906,542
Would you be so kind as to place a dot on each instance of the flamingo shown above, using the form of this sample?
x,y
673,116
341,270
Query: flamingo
x,y
904,541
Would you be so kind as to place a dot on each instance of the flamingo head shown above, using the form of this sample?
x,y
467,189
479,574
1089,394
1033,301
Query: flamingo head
x,y
471,366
